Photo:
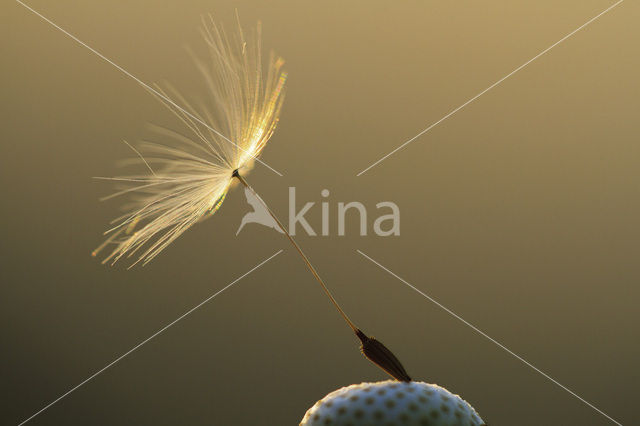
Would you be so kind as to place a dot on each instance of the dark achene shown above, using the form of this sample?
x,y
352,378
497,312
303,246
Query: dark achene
x,y
378,353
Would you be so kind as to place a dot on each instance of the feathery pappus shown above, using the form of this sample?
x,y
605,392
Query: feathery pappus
x,y
188,178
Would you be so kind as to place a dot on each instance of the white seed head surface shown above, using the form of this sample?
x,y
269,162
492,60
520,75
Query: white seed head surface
x,y
392,403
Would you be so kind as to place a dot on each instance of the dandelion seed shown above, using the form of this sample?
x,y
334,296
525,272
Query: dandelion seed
x,y
189,178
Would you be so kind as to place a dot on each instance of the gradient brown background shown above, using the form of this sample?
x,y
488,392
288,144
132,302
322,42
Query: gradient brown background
x,y
520,213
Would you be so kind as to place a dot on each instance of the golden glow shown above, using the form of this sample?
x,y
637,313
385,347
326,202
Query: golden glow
x,y
190,176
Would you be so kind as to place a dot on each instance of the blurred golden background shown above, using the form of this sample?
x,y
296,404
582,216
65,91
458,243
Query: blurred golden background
x,y
519,213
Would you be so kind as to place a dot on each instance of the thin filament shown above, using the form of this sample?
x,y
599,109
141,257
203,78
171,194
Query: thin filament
x,y
297,247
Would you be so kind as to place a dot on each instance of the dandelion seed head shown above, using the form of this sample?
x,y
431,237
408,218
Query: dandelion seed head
x,y
187,177
392,403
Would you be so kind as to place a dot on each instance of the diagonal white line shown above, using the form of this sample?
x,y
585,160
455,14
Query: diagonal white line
x,y
491,87
482,333
149,338
142,83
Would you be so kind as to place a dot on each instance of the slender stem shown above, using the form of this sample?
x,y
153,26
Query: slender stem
x,y
297,247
